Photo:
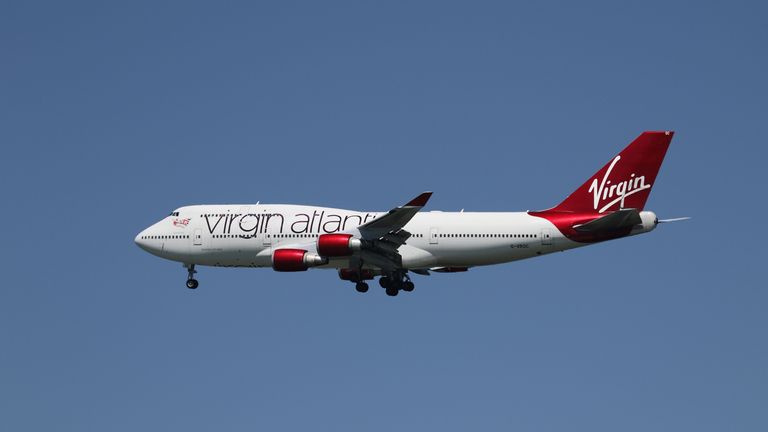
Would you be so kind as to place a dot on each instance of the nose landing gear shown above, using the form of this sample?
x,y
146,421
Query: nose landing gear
x,y
191,281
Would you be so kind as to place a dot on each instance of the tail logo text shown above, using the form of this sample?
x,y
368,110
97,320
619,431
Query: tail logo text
x,y
603,190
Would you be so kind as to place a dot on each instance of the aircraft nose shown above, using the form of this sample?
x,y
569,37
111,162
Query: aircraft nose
x,y
141,241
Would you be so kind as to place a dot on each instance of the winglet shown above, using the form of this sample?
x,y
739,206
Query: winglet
x,y
419,201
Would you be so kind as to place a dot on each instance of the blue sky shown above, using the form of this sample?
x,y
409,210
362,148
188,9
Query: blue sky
x,y
114,115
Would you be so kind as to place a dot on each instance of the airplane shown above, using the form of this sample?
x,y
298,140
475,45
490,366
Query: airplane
x,y
392,245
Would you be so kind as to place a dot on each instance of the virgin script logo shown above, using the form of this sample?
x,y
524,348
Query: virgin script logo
x,y
181,222
604,190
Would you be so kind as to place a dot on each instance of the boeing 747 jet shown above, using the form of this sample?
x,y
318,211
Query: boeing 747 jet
x,y
393,245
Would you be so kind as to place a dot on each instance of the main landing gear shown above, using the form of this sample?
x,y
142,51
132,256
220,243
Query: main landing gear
x,y
361,287
392,282
395,283
191,281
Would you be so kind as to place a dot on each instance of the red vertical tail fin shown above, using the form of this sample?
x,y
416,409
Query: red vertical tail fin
x,y
625,181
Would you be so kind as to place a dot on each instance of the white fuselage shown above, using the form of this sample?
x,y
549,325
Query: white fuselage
x,y
246,235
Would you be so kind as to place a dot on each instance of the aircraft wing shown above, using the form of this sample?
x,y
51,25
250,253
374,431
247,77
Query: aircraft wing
x,y
394,220
380,238
385,234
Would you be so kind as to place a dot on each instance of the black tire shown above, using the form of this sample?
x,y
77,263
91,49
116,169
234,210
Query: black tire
x,y
192,283
385,282
361,287
392,291
408,286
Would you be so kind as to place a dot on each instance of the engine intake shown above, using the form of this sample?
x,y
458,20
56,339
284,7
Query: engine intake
x,y
292,260
337,245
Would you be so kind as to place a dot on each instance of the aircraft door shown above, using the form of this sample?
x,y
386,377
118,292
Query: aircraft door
x,y
434,233
546,237
197,238
266,236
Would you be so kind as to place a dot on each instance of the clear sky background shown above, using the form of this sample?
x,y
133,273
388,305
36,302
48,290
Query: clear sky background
x,y
111,116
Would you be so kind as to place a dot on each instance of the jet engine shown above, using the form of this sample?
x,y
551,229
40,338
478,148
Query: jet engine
x,y
337,245
291,260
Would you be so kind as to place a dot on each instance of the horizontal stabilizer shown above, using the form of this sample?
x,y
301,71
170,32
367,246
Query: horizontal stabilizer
x,y
617,220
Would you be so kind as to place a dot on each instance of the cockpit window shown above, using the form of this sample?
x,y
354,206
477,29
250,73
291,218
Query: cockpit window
x,y
174,214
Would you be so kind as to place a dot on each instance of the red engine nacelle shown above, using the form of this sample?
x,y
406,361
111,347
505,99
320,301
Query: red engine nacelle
x,y
354,275
337,245
291,260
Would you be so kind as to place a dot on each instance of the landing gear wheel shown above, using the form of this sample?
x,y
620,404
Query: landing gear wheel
x,y
392,291
385,281
361,287
191,281
408,286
